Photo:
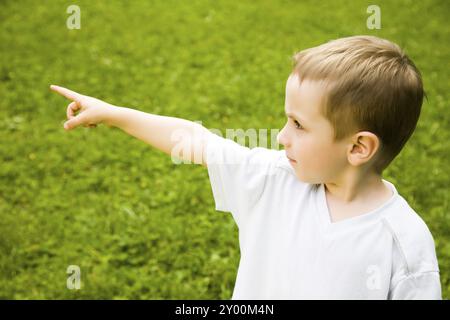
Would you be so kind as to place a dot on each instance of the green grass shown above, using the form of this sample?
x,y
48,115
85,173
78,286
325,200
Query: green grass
x,y
136,224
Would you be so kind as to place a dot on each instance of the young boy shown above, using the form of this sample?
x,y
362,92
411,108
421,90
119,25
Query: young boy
x,y
316,220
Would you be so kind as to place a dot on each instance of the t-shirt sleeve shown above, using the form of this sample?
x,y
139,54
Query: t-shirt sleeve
x,y
238,175
422,286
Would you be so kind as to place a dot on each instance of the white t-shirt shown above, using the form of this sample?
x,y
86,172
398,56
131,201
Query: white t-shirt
x,y
289,247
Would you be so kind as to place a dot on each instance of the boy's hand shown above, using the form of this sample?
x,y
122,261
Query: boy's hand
x,y
92,111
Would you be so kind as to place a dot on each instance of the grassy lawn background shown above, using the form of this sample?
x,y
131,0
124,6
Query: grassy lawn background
x,y
138,225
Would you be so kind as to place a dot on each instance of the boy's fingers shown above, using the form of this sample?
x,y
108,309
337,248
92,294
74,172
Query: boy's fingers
x,y
71,108
74,122
69,94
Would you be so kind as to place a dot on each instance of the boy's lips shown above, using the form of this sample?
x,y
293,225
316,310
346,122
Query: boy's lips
x,y
290,159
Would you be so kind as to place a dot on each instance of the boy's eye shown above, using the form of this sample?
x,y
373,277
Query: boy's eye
x,y
297,124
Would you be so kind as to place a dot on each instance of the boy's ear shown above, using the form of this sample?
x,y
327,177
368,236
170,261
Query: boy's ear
x,y
363,147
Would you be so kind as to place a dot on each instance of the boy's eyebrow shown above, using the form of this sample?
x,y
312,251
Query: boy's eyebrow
x,y
291,115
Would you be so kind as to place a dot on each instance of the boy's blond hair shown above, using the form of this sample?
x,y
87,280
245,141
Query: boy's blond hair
x,y
371,84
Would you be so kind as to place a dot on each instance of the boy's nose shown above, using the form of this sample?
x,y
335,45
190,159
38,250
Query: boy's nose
x,y
281,138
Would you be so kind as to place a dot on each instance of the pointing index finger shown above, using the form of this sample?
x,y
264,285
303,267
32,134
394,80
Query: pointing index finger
x,y
69,94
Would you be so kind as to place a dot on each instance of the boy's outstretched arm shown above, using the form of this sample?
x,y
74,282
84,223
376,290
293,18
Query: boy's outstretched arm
x,y
167,134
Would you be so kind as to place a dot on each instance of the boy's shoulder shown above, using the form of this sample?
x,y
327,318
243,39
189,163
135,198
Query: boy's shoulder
x,y
413,239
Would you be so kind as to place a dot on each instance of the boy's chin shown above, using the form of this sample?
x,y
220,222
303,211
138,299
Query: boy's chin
x,y
305,179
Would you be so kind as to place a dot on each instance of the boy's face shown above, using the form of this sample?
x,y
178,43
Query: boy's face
x,y
307,136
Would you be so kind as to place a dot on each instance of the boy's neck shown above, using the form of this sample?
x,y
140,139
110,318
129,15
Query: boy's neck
x,y
355,196
352,188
